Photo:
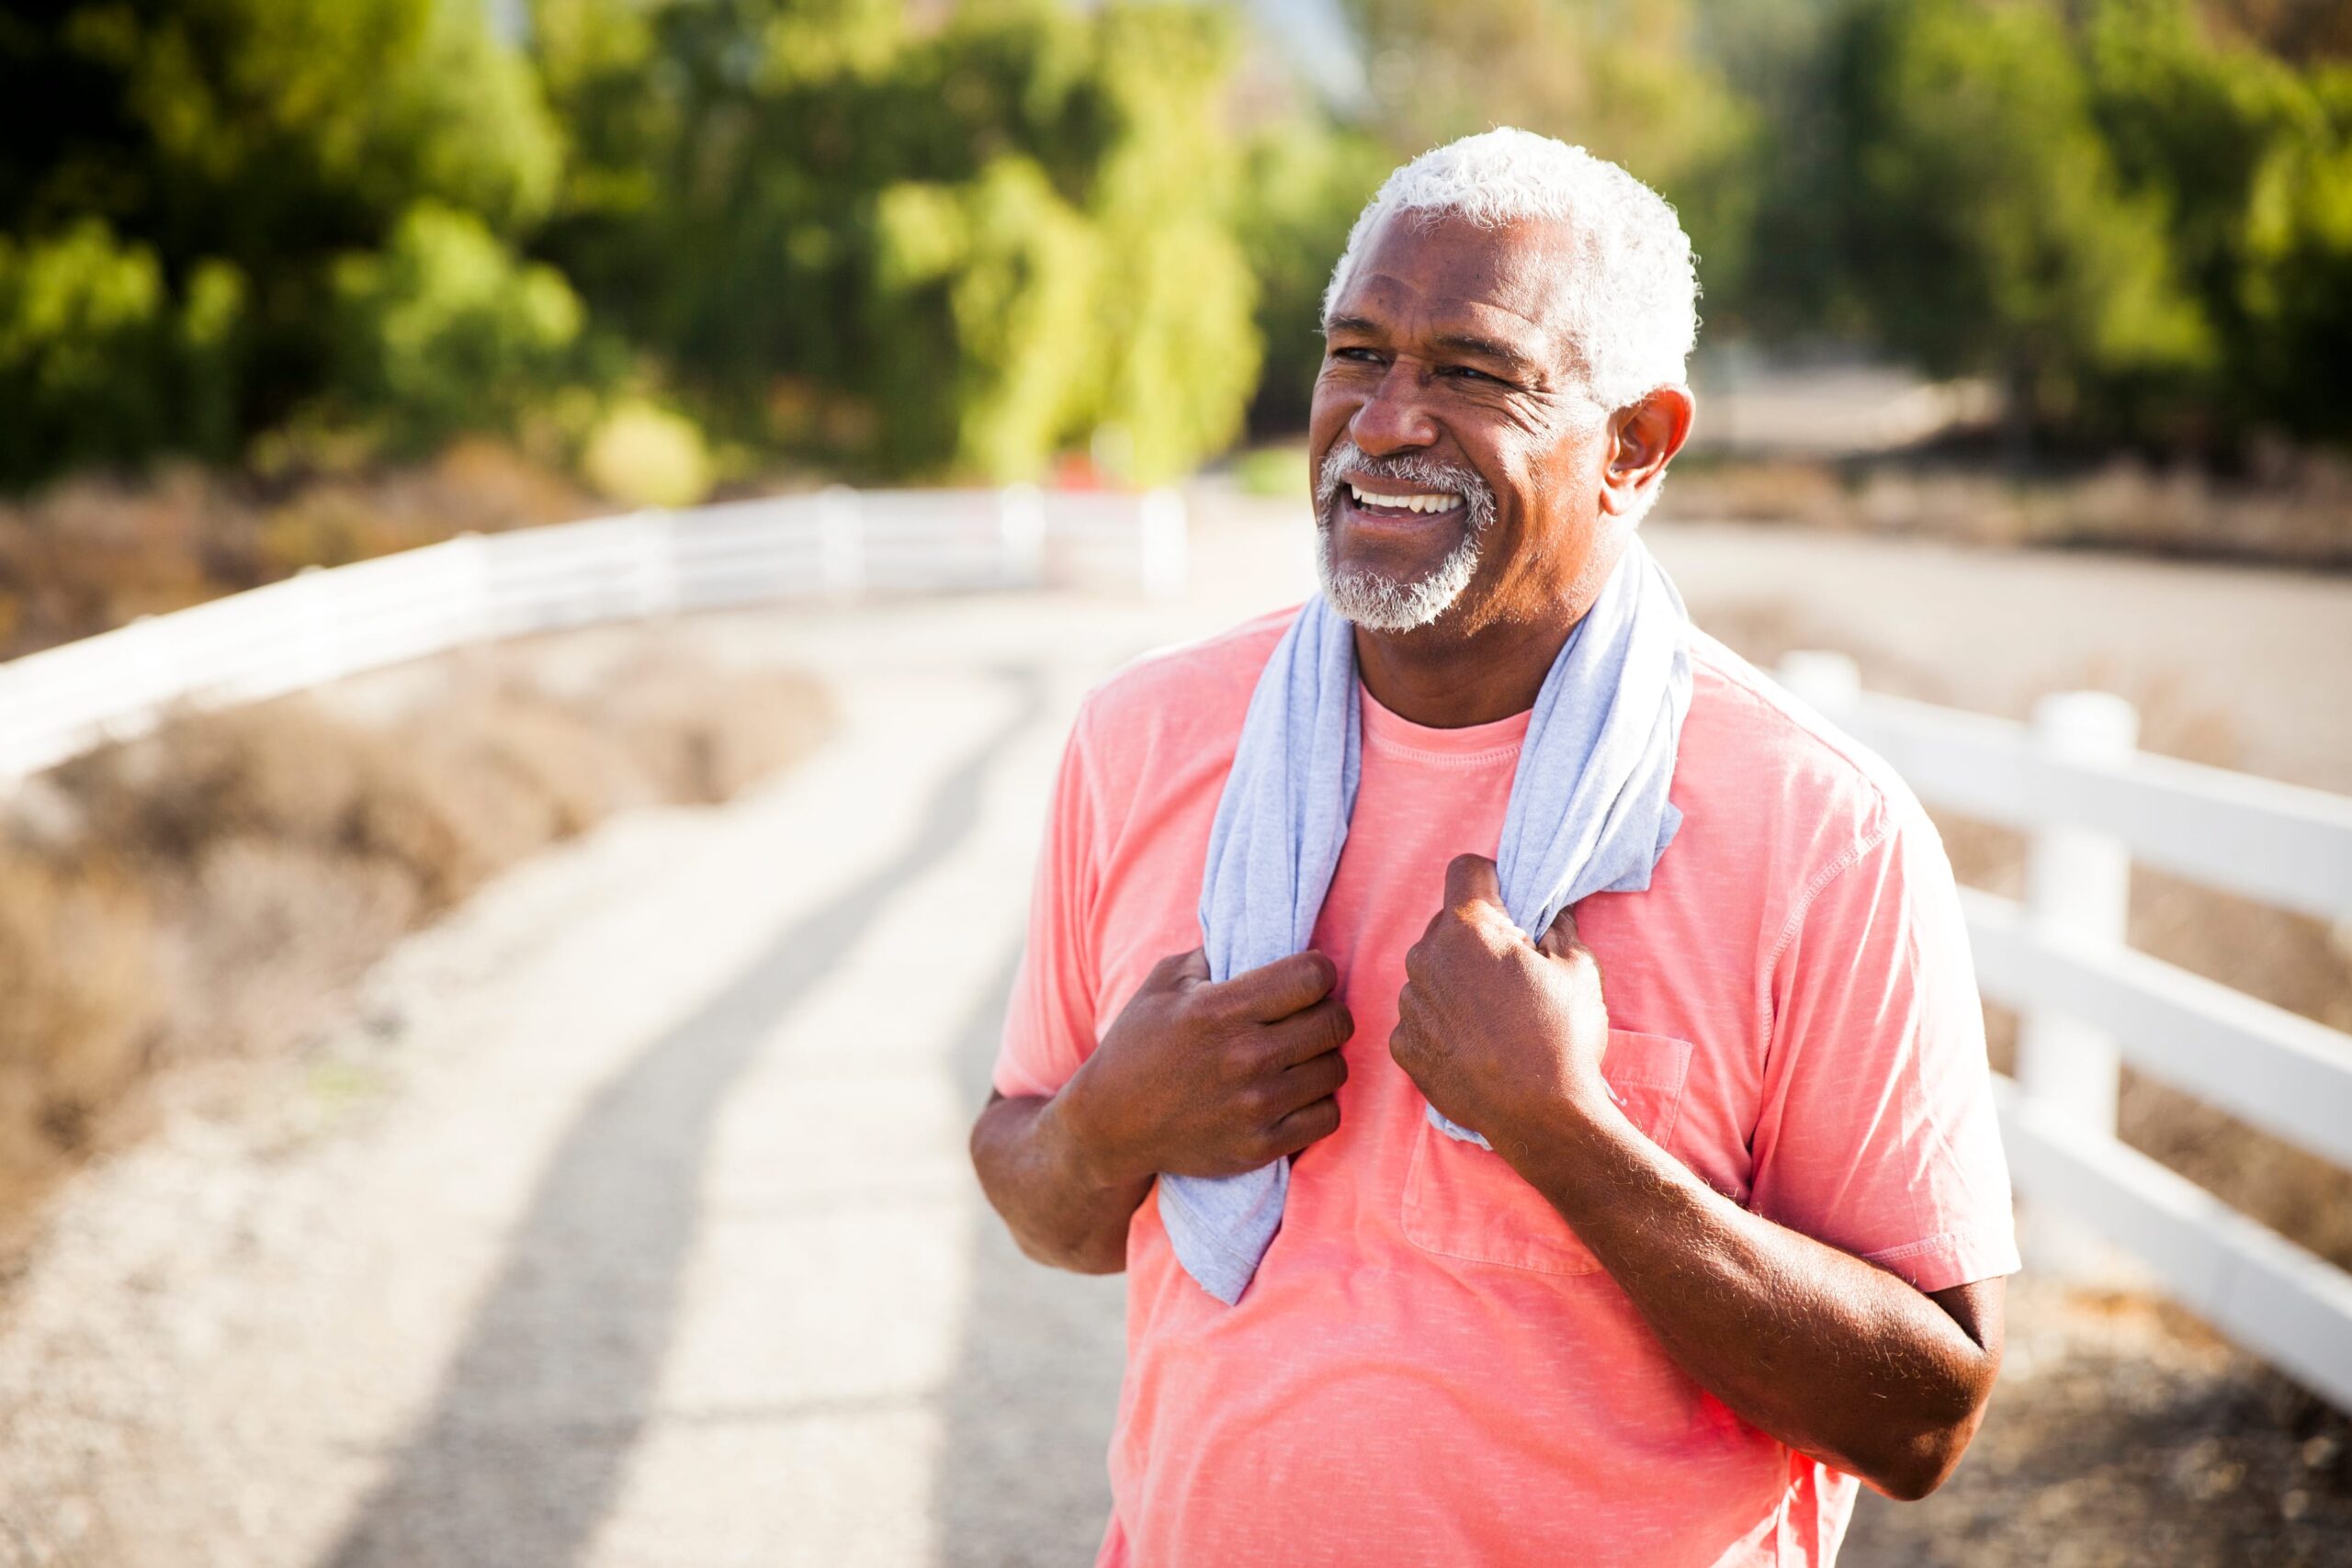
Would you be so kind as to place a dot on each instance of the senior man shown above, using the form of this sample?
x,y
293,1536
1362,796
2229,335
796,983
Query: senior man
x,y
1530,1071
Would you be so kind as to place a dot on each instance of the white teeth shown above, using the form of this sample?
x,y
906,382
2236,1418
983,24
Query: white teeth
x,y
1443,502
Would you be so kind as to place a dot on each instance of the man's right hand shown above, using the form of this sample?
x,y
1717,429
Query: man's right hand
x,y
1201,1077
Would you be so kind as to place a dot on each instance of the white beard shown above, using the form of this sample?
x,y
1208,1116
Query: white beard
x,y
1378,604
1371,600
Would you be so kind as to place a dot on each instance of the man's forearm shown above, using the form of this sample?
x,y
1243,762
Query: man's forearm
x,y
1037,1177
1834,1356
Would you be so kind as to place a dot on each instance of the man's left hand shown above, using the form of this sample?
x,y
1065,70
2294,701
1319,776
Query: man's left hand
x,y
1499,1033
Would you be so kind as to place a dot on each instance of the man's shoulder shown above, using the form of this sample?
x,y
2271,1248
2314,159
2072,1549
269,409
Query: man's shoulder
x,y
1764,759
1189,695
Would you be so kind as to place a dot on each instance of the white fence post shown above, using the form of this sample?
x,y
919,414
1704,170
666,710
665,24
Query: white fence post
x,y
2078,885
840,543
1021,536
1160,526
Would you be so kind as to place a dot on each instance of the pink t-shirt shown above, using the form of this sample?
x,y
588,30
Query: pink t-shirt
x,y
1428,1366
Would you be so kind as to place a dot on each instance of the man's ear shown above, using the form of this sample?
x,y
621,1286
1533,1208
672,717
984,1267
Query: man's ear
x,y
1642,439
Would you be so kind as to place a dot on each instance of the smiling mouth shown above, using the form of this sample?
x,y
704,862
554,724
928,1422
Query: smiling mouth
x,y
1402,502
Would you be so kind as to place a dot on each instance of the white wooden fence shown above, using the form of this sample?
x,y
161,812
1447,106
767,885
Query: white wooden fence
x,y
2093,804
318,626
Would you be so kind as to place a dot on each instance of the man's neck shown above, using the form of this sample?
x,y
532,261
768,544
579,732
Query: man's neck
x,y
1475,667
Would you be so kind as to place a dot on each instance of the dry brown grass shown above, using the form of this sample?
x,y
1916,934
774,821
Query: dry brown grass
x,y
92,553
209,890
2295,509
78,969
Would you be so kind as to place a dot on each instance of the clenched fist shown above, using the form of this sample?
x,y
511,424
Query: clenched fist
x,y
1500,1031
1199,1078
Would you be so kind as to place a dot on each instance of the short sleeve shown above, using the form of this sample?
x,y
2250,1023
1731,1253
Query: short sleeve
x,y
1050,1022
1877,1133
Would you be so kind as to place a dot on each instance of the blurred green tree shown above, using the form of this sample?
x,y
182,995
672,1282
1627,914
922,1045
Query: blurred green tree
x,y
902,239
1777,56
1303,183
99,365
1620,78
443,331
955,248
85,349
1988,230
226,152
2249,158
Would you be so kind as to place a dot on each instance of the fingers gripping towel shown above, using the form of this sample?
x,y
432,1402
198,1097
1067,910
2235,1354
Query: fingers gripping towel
x,y
1589,814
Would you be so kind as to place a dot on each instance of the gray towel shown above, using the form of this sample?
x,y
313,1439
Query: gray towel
x,y
1589,814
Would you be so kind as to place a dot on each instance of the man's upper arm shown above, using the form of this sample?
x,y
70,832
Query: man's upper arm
x,y
1877,1132
1050,1020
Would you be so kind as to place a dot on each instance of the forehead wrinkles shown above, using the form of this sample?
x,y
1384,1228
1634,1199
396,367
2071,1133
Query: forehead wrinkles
x,y
1426,274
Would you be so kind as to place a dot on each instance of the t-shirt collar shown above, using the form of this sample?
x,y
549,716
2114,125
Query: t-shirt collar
x,y
1388,733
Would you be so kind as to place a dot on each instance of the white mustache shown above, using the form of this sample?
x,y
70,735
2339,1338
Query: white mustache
x,y
1346,460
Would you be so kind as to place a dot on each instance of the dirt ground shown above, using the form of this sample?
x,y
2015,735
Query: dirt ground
x,y
2123,1433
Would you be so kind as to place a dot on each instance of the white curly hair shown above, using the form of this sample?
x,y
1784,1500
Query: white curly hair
x,y
1634,315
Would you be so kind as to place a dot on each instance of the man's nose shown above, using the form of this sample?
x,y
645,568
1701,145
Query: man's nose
x,y
1395,417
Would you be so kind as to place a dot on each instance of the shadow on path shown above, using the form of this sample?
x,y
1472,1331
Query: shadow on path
x,y
530,1433
1029,1406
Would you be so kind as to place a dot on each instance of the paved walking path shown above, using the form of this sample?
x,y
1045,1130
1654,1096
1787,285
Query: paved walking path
x,y
663,1249
628,1221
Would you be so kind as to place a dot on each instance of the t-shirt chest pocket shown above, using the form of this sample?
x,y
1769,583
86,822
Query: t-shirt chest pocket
x,y
1467,1202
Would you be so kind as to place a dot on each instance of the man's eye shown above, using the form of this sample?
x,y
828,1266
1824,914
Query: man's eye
x,y
1362,356
1467,374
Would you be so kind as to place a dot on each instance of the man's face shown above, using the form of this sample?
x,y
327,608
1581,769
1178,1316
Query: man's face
x,y
1456,459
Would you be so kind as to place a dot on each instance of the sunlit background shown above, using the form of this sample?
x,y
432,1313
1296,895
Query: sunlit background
x,y
500,1098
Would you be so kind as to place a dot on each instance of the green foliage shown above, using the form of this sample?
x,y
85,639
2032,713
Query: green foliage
x,y
1621,80
901,240
444,330
2297,292
1277,473
84,346
1992,232
1301,191
975,246
647,456
208,162
252,128
2132,219
2250,159
980,323
100,364
1174,313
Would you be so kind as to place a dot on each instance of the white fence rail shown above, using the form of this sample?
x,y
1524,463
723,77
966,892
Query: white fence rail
x,y
2093,805
318,626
